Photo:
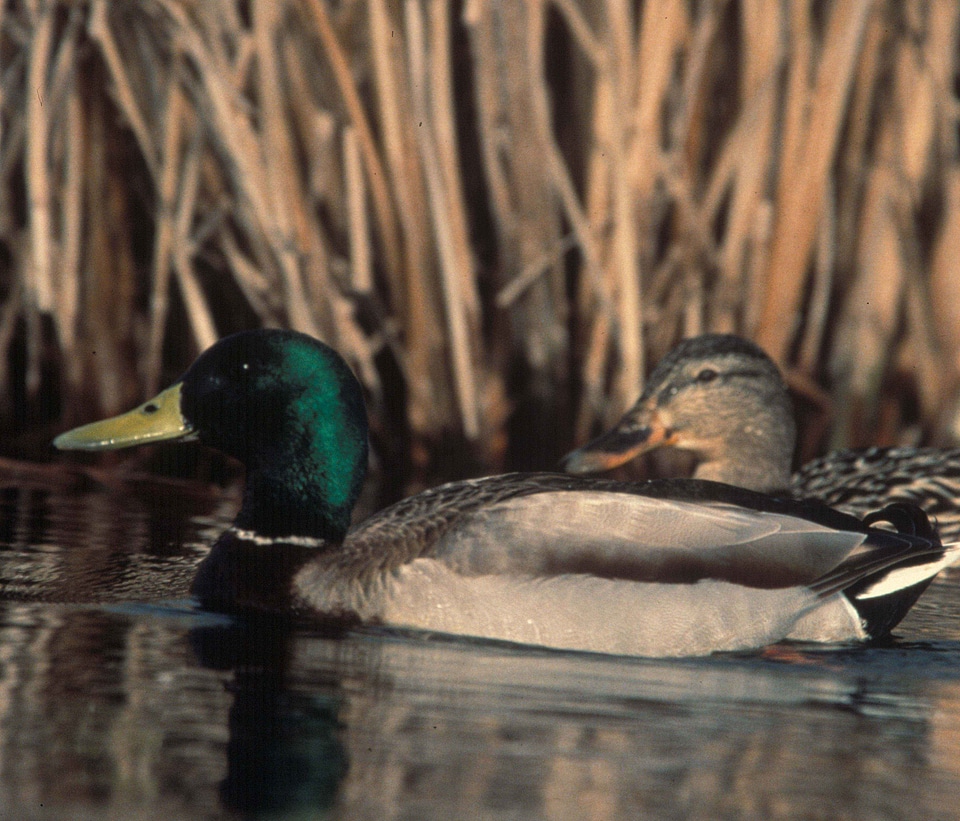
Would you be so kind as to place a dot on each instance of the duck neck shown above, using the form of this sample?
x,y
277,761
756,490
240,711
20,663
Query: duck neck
x,y
286,502
756,458
752,475
247,573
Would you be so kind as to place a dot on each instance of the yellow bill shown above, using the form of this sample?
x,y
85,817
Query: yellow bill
x,y
154,421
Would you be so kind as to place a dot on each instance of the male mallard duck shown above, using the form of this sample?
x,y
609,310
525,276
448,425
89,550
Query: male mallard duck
x,y
658,568
724,400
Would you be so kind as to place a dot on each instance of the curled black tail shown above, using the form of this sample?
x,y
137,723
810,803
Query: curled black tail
x,y
885,580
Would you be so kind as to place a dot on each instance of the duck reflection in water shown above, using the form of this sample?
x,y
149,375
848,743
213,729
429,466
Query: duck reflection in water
x,y
284,751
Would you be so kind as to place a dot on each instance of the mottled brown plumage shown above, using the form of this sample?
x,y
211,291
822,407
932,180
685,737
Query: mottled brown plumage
x,y
723,399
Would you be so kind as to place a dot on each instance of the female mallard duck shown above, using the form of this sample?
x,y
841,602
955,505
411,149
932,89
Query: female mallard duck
x,y
723,399
658,568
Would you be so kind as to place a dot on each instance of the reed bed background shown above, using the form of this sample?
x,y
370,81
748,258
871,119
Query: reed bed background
x,y
501,213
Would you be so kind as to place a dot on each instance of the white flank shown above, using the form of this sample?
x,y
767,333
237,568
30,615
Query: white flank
x,y
580,612
836,619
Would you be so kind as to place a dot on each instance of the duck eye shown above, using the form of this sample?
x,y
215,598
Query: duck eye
x,y
707,375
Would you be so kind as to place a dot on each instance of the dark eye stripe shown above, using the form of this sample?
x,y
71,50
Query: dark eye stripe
x,y
671,390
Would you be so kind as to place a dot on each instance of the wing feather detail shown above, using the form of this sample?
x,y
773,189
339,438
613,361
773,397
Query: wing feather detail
x,y
637,538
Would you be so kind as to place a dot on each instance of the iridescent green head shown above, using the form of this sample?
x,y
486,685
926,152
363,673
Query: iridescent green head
x,y
285,405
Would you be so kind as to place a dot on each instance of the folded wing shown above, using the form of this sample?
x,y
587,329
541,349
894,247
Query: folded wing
x,y
636,538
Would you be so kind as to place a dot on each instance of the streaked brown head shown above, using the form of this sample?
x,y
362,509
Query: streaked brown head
x,y
717,396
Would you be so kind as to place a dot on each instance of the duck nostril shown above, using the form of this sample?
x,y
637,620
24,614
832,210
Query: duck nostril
x,y
151,407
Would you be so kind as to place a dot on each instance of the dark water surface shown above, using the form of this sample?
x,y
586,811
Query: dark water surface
x,y
118,700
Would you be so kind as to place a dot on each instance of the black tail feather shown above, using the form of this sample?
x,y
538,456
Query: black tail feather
x,y
914,544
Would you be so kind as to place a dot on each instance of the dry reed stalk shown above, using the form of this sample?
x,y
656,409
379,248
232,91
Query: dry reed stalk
x,y
108,284
745,163
916,98
756,264
100,32
527,176
256,288
625,253
565,189
903,154
582,34
514,289
741,173
426,375
220,105
806,165
258,165
825,260
545,305
441,95
854,159
593,304
361,272
796,113
198,311
688,133
943,305
39,273
862,351
168,178
71,246
375,171
762,54
482,41
663,29
280,178
63,170
305,168
315,129
449,224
